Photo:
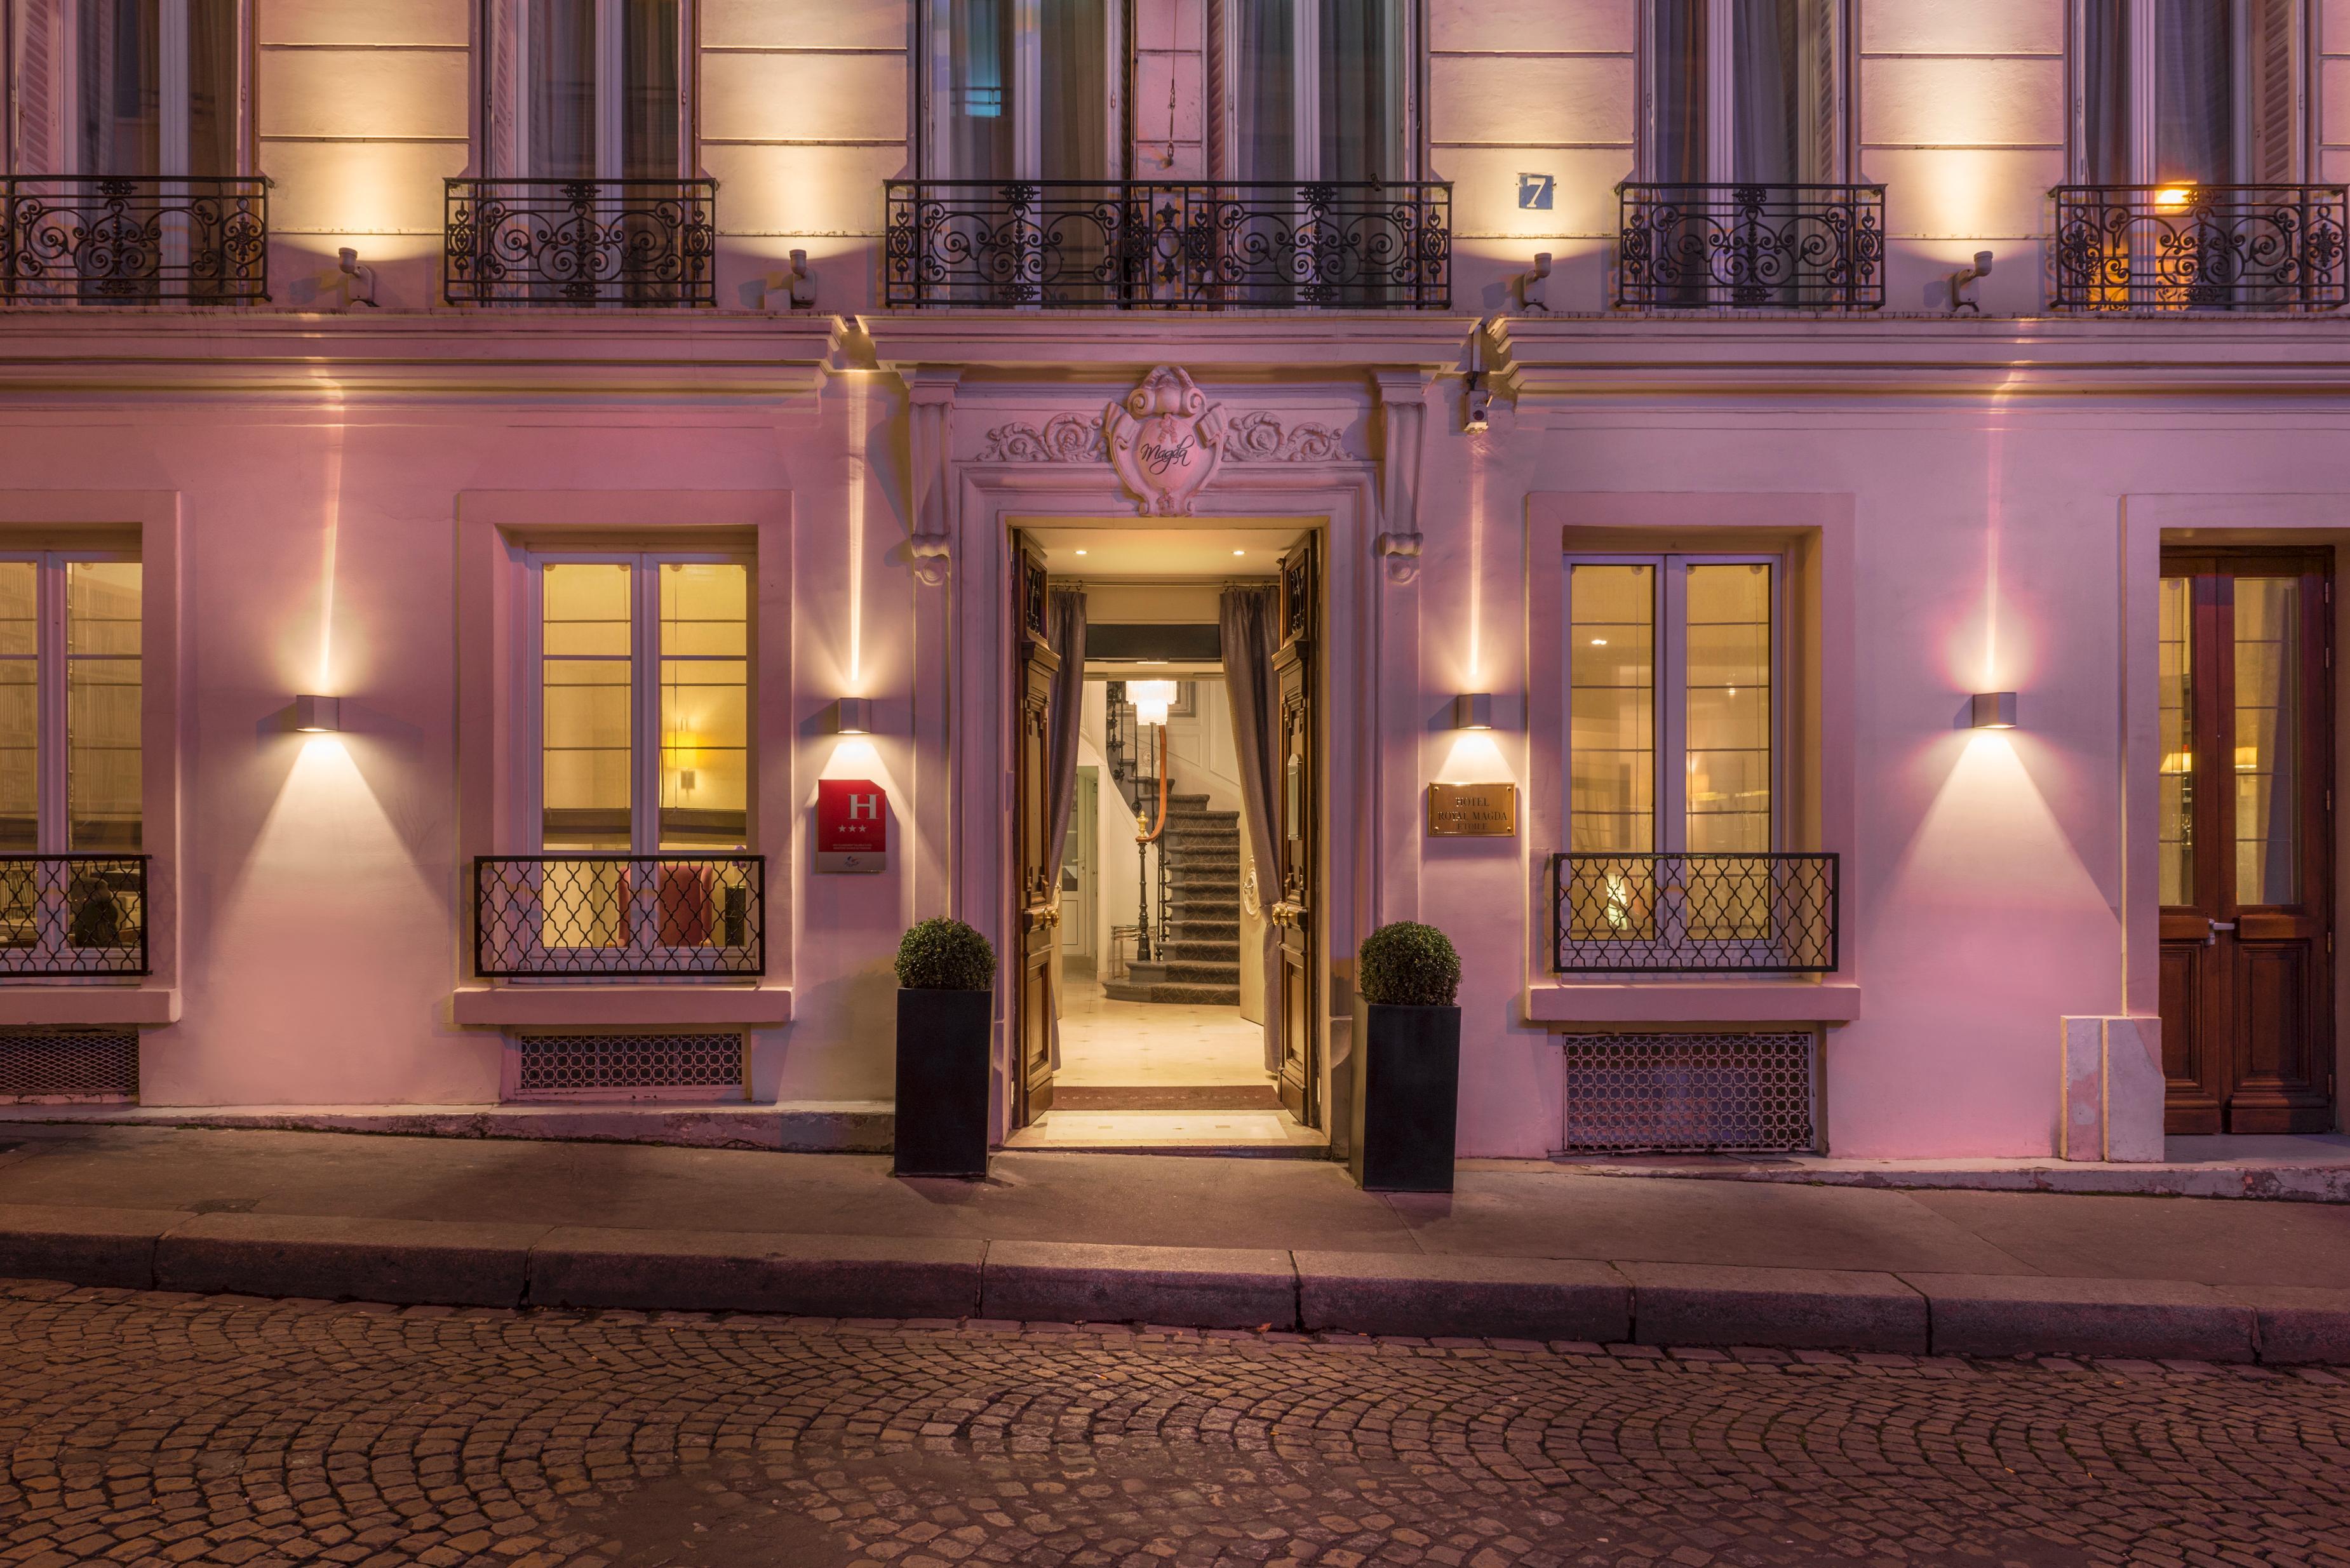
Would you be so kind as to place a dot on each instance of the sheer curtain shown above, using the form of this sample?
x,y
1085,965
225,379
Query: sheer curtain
x,y
1264,89
1786,126
651,96
975,127
1073,93
562,90
2194,100
120,87
1676,92
2106,158
211,86
1362,70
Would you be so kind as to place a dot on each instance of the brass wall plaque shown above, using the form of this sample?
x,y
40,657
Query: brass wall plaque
x,y
1473,810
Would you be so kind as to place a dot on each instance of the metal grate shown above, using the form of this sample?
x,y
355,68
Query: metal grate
x,y
73,914
561,1066
1694,914
68,1064
1690,1094
570,914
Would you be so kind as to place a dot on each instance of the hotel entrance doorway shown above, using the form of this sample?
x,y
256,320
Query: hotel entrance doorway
x,y
1174,670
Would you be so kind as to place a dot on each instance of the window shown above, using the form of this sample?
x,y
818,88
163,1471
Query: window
x,y
644,695
1743,91
126,88
1672,666
1023,90
69,704
588,89
2187,91
1320,90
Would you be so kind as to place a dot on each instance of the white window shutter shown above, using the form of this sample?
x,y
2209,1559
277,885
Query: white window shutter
x,y
1820,44
2275,85
36,60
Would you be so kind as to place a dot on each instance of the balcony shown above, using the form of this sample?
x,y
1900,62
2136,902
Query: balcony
x,y
103,239
1755,248
1169,245
2200,247
640,243
610,917
72,914
1694,914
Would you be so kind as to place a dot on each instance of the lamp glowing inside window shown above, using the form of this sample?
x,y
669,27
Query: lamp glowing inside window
x,y
1150,700
2171,198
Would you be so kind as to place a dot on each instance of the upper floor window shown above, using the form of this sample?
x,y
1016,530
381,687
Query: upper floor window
x,y
588,89
642,735
1743,93
1296,90
126,88
69,703
2191,92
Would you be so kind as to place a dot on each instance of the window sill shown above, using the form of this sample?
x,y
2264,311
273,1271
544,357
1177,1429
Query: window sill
x,y
46,1004
633,1006
1683,999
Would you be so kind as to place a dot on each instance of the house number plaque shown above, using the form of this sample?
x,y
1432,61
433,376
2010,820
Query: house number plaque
x,y
1473,810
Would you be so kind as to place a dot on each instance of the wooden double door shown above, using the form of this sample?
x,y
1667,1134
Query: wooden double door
x,y
2246,874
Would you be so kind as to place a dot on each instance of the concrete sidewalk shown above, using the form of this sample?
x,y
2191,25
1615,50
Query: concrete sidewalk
x,y
1527,1251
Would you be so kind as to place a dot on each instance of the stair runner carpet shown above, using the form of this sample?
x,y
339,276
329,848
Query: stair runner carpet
x,y
1201,943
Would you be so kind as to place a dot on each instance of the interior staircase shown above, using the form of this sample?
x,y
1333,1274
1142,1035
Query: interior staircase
x,y
1198,956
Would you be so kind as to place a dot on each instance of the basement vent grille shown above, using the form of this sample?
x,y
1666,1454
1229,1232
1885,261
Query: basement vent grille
x,y
618,1066
68,1064
1690,1094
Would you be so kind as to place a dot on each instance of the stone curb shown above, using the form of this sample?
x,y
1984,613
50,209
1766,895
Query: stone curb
x,y
441,1262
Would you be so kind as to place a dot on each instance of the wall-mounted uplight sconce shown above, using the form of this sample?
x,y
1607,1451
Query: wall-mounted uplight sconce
x,y
356,278
1476,419
317,715
1994,710
852,716
1473,711
1962,284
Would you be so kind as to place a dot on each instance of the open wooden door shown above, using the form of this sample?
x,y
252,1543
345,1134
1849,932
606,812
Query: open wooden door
x,y
1297,805
1036,918
2247,845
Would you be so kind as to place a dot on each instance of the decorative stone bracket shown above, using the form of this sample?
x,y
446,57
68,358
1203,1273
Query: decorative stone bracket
x,y
931,396
1402,420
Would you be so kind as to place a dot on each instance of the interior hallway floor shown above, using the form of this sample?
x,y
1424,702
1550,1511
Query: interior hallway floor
x,y
1161,1075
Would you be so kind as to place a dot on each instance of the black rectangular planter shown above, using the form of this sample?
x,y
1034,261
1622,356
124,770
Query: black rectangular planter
x,y
942,1079
1406,1096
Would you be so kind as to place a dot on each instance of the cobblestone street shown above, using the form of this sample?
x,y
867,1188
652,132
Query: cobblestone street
x,y
157,1429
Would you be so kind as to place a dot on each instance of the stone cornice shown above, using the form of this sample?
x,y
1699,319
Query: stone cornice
x,y
1120,344
467,354
1577,359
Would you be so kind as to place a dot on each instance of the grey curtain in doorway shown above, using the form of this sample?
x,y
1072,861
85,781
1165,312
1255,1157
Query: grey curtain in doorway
x,y
1064,631
1247,617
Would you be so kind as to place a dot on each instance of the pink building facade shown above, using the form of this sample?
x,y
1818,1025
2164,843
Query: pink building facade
x,y
1739,431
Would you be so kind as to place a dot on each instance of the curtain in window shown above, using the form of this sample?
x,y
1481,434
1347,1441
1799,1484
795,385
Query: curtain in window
x,y
211,86
1783,56
1676,126
2194,103
562,90
651,96
2105,93
121,88
1073,98
976,129
1362,74
1264,94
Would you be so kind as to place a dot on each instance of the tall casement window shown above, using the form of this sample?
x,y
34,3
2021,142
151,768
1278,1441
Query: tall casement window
x,y
1317,89
588,89
129,88
1672,664
1743,93
2187,92
1023,90
644,695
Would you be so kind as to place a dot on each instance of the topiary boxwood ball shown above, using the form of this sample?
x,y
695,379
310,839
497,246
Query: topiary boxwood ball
x,y
945,955
1409,965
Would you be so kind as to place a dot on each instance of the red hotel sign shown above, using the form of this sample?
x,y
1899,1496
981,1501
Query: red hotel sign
x,y
852,825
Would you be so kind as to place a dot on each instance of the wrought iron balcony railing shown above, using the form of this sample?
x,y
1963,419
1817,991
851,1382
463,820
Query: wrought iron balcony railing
x,y
73,915
1790,247
1169,245
1694,914
101,240
2202,247
583,916
580,242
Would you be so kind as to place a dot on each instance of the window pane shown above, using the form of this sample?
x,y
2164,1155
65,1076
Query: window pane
x,y
121,87
2105,77
1611,658
19,753
1676,142
2174,803
977,73
585,775
706,694
649,90
2194,99
2268,694
1784,92
211,86
19,607
1264,53
1362,97
102,700
1073,107
562,94
1728,692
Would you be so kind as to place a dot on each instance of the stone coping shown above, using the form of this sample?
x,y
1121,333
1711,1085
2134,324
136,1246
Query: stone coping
x,y
454,1263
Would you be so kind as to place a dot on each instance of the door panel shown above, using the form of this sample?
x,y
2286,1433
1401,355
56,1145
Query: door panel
x,y
1296,796
1035,921
2246,803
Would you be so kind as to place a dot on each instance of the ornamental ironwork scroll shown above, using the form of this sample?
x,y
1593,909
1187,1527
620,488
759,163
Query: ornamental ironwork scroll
x,y
1169,245
580,242
1796,247
108,241
2202,247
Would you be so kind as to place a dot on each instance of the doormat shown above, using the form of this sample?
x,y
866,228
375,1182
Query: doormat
x,y
1167,1097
